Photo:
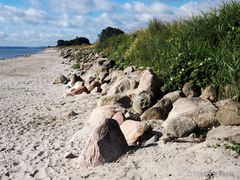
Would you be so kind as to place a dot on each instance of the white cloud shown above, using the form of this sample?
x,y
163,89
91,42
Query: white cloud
x,y
2,19
70,18
2,35
127,6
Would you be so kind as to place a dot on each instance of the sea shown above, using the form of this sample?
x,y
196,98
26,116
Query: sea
x,y
13,52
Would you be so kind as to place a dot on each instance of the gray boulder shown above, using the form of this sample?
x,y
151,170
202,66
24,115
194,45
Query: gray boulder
x,y
179,126
228,113
159,111
142,101
202,111
150,82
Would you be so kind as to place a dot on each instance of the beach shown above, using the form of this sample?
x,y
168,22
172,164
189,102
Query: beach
x,y
36,133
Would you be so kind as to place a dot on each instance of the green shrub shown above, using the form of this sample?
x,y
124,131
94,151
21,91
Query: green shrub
x,y
202,50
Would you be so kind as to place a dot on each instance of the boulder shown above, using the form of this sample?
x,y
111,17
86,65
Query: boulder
x,y
106,144
104,88
179,126
223,133
109,64
132,116
209,93
122,86
228,113
128,70
142,101
78,90
102,76
77,85
173,96
202,111
159,111
93,85
99,114
150,82
60,79
191,92
96,90
133,131
121,100
119,117
89,79
74,79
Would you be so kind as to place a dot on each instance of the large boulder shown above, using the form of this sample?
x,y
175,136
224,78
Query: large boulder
x,y
122,86
99,114
179,126
133,131
142,101
202,111
159,111
121,100
222,133
106,144
228,113
150,82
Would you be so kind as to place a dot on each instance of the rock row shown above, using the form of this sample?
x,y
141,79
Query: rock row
x,y
131,100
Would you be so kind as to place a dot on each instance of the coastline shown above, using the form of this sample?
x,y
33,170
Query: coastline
x,y
36,133
41,50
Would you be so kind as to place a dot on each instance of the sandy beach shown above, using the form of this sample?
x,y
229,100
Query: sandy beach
x,y
36,133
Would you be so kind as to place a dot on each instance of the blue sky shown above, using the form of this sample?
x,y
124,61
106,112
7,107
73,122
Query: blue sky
x,y
43,22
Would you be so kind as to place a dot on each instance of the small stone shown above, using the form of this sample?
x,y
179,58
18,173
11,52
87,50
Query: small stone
x,y
60,79
70,114
70,156
152,140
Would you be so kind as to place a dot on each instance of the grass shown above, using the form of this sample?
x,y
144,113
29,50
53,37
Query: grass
x,y
234,147
203,50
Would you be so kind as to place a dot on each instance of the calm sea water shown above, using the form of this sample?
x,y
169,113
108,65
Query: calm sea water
x,y
12,52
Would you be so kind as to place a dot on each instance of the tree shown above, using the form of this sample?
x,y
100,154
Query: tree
x,y
74,42
108,33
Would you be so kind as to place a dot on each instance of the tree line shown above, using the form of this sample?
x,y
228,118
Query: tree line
x,y
103,36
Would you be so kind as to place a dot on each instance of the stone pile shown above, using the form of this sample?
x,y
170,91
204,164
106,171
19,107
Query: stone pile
x,y
132,107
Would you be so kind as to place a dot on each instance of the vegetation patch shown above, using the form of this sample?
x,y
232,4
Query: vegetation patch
x,y
202,50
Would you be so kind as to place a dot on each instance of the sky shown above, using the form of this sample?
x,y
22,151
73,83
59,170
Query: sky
x,y
43,22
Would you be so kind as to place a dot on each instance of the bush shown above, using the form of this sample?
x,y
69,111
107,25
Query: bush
x,y
108,33
73,42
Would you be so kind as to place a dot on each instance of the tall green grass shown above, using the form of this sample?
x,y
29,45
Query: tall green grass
x,y
202,50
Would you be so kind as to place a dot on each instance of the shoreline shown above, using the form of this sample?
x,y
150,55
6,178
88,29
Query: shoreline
x,y
24,55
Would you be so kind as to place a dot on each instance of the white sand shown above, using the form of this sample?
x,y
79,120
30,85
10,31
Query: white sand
x,y
35,133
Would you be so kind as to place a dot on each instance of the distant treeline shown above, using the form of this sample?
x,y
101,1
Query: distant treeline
x,y
73,42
